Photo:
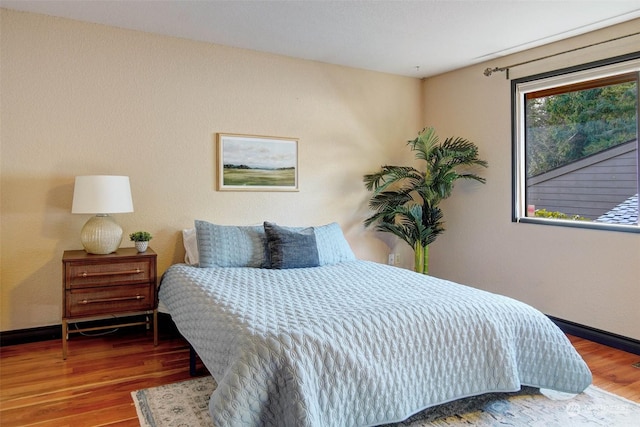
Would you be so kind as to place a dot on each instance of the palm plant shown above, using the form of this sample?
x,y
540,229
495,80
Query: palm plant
x,y
406,200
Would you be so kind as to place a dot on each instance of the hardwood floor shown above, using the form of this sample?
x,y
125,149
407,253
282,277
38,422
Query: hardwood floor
x,y
92,387
612,369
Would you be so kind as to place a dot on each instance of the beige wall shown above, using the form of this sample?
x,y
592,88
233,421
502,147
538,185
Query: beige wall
x,y
85,99
588,277
82,99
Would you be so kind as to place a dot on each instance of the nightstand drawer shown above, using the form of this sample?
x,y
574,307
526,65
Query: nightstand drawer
x,y
111,299
112,273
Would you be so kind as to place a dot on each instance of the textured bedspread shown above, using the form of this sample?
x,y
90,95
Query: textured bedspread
x,y
358,343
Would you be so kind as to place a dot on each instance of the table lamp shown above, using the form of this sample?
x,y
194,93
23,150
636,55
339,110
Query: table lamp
x,y
101,195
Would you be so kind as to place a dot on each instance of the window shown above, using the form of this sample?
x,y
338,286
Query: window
x,y
575,146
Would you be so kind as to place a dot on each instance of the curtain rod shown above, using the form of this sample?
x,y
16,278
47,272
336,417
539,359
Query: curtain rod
x,y
489,71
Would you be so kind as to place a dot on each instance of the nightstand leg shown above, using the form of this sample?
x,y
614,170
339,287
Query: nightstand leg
x,y
155,327
64,338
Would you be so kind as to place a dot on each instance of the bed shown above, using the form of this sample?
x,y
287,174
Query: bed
x,y
337,341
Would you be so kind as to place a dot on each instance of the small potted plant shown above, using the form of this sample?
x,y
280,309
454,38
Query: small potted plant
x,y
141,238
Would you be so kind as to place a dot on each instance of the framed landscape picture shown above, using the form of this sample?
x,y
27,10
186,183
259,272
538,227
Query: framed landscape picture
x,y
257,163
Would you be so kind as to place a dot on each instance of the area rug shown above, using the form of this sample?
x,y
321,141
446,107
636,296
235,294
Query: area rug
x,y
187,404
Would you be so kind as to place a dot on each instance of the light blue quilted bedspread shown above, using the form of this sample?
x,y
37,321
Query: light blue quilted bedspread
x,y
358,343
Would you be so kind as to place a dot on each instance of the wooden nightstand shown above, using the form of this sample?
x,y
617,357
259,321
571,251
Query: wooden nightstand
x,y
98,286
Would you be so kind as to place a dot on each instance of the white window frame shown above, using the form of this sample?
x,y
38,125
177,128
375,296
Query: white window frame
x,y
519,88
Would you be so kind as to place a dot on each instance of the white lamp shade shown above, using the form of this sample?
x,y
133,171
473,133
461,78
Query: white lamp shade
x,y
102,194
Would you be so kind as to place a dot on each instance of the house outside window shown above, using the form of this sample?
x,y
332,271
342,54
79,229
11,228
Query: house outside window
x,y
575,146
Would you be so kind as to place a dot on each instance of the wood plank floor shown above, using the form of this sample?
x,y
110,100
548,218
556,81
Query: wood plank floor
x,y
92,387
612,369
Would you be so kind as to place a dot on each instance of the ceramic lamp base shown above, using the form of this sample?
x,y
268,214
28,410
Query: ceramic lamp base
x,y
101,235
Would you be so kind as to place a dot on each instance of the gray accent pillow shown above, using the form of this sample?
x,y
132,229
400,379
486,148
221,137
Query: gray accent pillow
x,y
290,248
231,245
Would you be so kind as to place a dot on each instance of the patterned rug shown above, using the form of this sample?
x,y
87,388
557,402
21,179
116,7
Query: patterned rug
x,y
187,404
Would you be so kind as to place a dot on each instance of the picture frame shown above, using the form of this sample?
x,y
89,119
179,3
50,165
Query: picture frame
x,y
256,163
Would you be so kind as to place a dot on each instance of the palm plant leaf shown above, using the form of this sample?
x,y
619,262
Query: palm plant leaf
x,y
405,223
388,200
462,152
392,175
425,144
432,216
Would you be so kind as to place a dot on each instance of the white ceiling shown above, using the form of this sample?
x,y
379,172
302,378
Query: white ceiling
x,y
411,38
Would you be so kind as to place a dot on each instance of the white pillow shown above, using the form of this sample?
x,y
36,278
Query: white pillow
x,y
190,242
